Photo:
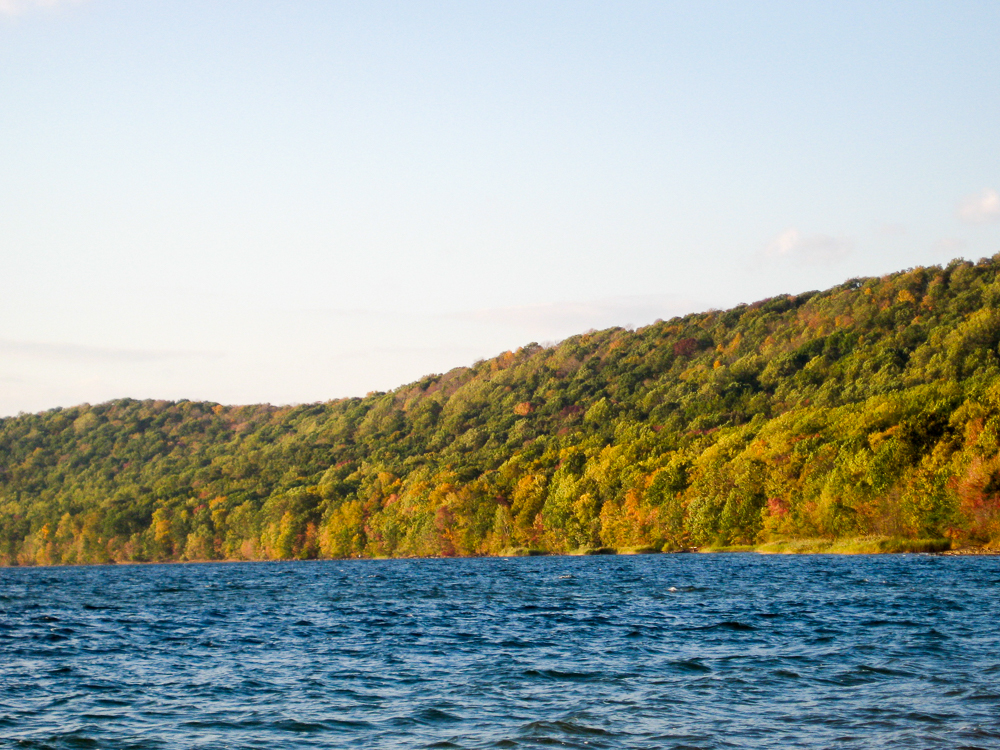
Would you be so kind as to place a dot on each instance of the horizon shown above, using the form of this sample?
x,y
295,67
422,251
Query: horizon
x,y
245,204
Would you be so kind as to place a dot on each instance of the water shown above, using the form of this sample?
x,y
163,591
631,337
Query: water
x,y
672,651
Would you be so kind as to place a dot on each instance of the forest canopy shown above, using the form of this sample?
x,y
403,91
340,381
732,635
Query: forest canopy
x,y
872,408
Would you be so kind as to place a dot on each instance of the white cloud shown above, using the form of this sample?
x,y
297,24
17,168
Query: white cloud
x,y
981,207
17,7
810,249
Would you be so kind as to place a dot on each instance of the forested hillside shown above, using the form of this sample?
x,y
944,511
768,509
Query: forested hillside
x,y
872,408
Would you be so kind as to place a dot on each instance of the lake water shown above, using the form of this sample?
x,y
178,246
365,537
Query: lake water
x,y
667,651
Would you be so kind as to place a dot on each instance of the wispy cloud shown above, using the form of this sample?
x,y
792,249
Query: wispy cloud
x,y
808,248
49,351
559,319
981,207
374,352
950,246
17,7
890,230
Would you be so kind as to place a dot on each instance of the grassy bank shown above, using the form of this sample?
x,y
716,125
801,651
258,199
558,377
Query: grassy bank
x,y
869,545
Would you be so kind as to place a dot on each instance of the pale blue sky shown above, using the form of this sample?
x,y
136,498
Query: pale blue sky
x,y
297,201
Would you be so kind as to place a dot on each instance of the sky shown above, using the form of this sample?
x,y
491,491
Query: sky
x,y
244,202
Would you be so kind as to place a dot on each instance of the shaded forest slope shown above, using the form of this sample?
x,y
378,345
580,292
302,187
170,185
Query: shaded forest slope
x,y
872,408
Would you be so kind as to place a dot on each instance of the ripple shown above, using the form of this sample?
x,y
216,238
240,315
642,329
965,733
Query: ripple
x,y
695,651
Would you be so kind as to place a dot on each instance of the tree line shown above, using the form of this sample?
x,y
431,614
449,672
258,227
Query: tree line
x,y
872,408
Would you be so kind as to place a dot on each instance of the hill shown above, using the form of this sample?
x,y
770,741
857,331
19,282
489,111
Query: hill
x,y
869,409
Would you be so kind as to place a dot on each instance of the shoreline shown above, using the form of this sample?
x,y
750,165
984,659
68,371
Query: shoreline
x,y
791,547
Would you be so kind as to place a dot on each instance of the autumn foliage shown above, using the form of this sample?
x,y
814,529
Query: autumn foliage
x,y
872,408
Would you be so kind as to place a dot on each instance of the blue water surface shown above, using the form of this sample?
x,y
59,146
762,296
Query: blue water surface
x,y
666,651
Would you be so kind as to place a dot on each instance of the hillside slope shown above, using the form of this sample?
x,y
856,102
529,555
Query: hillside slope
x,y
869,408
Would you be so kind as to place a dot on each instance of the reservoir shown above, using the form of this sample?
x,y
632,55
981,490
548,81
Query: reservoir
x,y
659,651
